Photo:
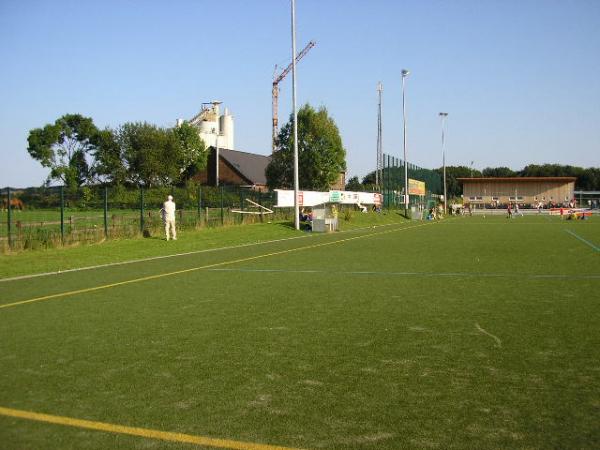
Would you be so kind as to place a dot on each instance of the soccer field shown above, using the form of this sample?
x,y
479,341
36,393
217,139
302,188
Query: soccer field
x,y
471,332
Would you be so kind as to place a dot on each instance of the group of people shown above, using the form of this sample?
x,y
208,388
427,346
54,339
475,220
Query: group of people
x,y
513,210
306,218
436,212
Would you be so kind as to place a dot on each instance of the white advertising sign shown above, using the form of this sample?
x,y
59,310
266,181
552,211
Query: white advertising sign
x,y
285,198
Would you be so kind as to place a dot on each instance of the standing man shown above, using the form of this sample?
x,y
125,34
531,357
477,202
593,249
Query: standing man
x,y
169,217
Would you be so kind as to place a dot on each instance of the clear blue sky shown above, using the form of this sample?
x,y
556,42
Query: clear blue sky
x,y
520,79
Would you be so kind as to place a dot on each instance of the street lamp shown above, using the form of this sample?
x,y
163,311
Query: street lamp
x,y
443,116
296,178
404,75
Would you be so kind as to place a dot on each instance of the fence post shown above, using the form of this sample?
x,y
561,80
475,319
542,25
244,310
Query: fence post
x,y
199,205
142,209
241,205
105,212
62,215
9,218
388,181
222,216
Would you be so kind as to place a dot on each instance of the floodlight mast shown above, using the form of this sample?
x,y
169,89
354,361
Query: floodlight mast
x,y
443,116
296,182
379,165
405,73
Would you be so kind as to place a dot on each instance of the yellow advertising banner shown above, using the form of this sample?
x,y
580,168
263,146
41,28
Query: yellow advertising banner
x,y
416,187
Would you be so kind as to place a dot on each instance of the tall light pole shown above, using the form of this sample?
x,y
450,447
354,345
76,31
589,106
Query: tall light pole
x,y
404,75
296,182
443,116
379,166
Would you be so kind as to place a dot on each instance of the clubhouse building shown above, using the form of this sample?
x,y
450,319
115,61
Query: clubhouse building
x,y
526,191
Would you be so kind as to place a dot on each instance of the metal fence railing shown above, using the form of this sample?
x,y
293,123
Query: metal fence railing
x,y
54,216
393,185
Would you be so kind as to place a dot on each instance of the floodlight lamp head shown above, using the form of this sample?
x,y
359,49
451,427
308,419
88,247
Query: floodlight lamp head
x,y
405,73
443,114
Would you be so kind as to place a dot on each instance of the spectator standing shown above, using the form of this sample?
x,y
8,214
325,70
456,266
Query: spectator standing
x,y
168,212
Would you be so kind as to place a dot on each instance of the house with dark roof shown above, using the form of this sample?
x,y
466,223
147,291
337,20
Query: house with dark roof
x,y
243,169
235,168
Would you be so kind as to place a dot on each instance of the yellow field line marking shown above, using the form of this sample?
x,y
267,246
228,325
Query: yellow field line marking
x,y
193,269
135,431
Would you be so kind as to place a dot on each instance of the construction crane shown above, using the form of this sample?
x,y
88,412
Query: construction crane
x,y
275,91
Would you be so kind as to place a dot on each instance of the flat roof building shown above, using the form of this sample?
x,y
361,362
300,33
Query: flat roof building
x,y
490,191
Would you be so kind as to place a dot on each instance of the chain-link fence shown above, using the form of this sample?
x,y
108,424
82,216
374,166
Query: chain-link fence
x,y
54,216
393,184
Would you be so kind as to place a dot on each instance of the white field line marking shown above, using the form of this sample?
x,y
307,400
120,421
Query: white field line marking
x,y
495,338
583,240
418,274
206,266
195,252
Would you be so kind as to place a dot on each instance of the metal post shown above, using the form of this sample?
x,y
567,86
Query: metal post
x,y
199,204
296,177
62,214
443,115
387,163
241,206
105,212
378,169
222,214
404,75
217,159
8,205
142,209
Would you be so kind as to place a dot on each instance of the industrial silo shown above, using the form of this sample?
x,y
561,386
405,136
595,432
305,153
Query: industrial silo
x,y
226,125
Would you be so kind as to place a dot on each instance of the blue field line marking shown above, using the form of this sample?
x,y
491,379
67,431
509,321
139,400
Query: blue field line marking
x,y
174,255
583,240
419,274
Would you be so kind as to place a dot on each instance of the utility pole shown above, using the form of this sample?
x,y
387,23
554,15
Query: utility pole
x,y
378,167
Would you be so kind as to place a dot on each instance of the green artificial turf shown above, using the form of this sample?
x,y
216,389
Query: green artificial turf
x,y
119,250
466,333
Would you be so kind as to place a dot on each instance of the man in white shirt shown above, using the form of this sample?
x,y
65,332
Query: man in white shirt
x,y
168,212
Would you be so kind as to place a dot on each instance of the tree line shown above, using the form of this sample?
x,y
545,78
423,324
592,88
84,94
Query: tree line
x,y
588,179
77,152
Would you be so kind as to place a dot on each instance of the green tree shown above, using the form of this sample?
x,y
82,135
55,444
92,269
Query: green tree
x,y
192,153
498,172
369,178
454,187
354,184
109,164
321,155
65,147
151,154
